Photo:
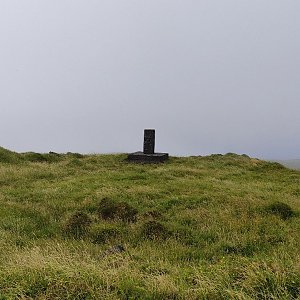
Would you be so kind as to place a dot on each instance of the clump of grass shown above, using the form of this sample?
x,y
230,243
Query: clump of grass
x,y
153,214
269,166
281,209
34,157
75,162
102,233
247,249
112,210
7,156
75,155
154,230
50,157
77,224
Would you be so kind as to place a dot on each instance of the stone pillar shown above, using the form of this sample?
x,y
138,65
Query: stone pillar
x,y
149,141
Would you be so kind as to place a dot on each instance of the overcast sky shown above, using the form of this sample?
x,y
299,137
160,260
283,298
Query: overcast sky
x,y
210,76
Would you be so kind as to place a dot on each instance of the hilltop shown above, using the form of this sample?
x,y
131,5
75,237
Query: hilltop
x,y
78,226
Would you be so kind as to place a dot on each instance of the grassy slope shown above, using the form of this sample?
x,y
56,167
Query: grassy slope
x,y
222,243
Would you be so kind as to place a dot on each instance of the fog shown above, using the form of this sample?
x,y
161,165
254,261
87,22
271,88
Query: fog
x,y
210,76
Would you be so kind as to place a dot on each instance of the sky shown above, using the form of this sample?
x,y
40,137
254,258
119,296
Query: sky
x,y
210,76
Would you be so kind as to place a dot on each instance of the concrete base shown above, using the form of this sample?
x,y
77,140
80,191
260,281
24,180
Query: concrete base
x,y
141,157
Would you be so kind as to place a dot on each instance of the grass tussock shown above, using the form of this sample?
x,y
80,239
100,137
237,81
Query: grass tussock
x,y
77,224
154,230
193,228
112,210
283,210
105,233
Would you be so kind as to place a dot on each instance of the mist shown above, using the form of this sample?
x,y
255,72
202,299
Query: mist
x,y
209,76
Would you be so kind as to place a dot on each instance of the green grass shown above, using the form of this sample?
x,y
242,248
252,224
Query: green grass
x,y
215,227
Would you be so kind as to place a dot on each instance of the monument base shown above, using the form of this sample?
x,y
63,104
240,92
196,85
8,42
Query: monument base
x,y
141,157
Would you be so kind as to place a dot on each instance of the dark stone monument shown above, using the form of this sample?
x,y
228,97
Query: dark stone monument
x,y
149,141
148,155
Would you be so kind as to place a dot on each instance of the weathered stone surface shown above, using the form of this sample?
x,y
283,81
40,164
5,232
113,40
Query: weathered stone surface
x,y
149,141
148,158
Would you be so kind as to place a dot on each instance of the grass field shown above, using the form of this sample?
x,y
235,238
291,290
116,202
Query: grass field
x,y
97,227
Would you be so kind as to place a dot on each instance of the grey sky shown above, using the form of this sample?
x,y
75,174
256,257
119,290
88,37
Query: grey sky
x,y
210,76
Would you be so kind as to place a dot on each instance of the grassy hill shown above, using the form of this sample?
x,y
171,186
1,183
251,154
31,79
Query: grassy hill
x,y
97,227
